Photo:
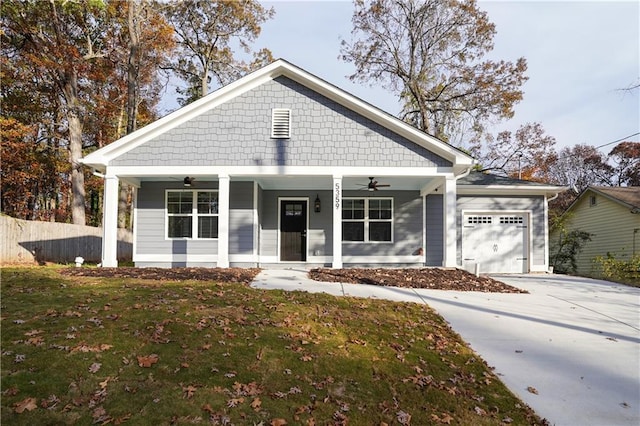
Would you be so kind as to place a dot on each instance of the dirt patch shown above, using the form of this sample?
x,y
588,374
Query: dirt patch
x,y
431,278
228,275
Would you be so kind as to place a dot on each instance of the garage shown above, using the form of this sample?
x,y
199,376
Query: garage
x,y
495,242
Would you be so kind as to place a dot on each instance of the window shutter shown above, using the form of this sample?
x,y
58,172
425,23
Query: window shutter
x,y
281,123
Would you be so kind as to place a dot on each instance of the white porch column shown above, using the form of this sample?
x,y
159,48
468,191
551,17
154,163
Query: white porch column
x,y
450,238
110,223
223,221
336,205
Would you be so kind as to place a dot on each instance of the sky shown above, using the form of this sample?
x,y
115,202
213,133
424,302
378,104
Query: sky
x,y
579,54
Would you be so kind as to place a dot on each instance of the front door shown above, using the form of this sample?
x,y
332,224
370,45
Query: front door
x,y
293,230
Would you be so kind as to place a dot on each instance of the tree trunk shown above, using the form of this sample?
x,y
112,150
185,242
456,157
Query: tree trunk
x,y
70,88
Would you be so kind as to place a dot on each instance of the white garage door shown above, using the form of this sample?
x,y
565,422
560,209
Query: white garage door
x,y
497,242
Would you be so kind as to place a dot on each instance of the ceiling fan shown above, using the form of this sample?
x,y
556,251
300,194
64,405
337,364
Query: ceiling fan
x,y
373,185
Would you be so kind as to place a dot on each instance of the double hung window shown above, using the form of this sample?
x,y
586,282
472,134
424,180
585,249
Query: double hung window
x,y
367,219
192,214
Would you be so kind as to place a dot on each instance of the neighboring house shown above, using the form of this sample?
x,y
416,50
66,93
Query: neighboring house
x,y
612,216
281,167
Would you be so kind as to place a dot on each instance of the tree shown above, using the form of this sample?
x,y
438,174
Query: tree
x,y
207,34
431,54
626,163
526,154
580,166
60,42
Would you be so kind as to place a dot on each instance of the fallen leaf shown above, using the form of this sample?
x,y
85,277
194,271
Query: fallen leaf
x,y
479,411
234,402
28,404
532,390
95,367
256,404
147,361
189,391
278,422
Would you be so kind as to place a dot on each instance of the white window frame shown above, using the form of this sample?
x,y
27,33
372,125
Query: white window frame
x,y
194,215
368,220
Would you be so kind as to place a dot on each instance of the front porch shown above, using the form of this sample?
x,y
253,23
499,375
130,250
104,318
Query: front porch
x,y
412,222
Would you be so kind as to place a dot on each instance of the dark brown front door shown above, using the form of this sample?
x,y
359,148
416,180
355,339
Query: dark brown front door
x,y
293,230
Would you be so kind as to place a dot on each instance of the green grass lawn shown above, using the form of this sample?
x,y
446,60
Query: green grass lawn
x,y
112,351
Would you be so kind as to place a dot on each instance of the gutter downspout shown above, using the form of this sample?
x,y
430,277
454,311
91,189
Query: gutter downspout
x,y
465,173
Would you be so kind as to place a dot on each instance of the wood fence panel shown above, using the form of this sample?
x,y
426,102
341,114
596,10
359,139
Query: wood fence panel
x,y
26,241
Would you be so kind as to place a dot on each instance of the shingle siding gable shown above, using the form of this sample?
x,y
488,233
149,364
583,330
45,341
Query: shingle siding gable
x,y
238,133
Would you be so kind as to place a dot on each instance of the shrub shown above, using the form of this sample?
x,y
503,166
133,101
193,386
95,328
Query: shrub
x,y
622,270
563,253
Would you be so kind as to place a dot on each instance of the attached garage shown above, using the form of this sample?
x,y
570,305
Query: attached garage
x,y
495,242
502,224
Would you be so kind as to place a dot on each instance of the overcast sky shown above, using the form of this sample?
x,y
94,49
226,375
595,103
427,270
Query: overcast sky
x,y
579,55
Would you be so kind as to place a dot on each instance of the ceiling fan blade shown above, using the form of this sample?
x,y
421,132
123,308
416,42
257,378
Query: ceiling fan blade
x,y
383,185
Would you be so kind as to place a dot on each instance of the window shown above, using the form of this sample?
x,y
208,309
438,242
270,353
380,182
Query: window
x,y
280,123
507,220
592,201
367,219
192,213
475,220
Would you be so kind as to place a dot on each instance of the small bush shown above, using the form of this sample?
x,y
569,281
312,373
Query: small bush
x,y
620,270
564,252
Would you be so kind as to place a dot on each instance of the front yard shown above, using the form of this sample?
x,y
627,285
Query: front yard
x,y
95,350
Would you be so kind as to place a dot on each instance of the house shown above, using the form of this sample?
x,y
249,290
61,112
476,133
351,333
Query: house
x,y
281,167
612,216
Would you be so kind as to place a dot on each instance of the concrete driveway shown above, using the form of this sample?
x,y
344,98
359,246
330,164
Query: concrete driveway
x,y
570,349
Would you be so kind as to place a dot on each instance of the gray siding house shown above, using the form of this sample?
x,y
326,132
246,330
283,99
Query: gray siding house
x,y
281,167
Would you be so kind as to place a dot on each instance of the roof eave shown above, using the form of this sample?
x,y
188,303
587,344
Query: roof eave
x,y
546,190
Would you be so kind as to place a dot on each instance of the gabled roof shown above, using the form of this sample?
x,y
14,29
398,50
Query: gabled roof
x,y
628,197
100,159
480,183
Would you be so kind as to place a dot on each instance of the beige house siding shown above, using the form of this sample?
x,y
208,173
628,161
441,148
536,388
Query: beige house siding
x,y
613,226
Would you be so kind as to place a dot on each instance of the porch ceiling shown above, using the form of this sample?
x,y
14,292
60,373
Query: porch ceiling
x,y
349,183
289,183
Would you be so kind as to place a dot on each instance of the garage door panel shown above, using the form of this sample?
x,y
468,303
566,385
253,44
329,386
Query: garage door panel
x,y
498,243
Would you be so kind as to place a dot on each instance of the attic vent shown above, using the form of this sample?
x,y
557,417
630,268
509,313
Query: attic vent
x,y
280,123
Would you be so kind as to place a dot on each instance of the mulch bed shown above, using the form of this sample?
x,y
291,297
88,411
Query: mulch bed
x,y
228,275
431,278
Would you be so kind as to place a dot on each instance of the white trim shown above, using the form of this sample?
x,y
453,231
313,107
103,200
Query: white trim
x,y
256,219
306,239
449,228
382,259
109,258
269,259
336,207
189,258
546,235
528,213
243,258
135,222
223,220
196,171
424,228
501,190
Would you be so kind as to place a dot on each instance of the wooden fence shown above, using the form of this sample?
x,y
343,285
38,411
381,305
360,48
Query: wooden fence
x,y
25,241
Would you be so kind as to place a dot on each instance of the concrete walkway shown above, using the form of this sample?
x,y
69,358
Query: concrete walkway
x,y
574,340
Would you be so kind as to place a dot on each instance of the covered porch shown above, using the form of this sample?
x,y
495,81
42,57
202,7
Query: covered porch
x,y
256,209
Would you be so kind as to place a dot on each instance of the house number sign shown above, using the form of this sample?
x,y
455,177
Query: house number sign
x,y
337,195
